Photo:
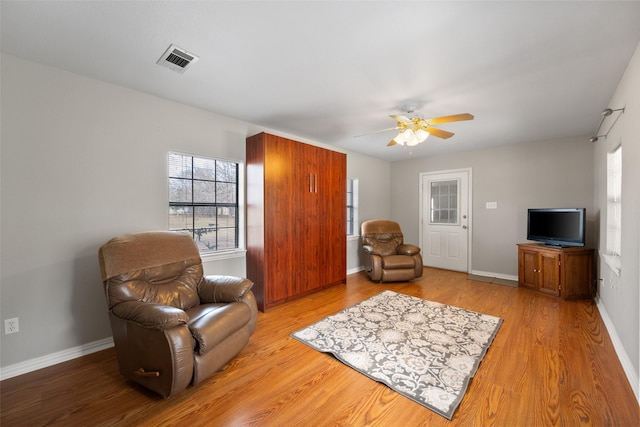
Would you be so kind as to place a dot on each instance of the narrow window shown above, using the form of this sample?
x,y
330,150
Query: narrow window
x,y
352,207
203,200
614,209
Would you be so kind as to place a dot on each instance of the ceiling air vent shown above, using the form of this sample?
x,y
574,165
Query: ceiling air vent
x,y
177,59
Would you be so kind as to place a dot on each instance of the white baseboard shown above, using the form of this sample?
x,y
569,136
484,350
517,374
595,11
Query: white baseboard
x,y
627,366
53,359
496,275
355,270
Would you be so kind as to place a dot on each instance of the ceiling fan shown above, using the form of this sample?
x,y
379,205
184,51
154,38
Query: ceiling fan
x,y
414,129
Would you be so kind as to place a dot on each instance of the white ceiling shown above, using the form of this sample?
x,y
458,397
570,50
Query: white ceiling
x,y
327,71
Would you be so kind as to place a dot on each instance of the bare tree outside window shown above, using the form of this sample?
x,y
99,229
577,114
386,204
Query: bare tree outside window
x,y
203,200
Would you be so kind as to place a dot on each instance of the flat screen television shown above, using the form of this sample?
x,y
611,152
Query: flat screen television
x,y
557,227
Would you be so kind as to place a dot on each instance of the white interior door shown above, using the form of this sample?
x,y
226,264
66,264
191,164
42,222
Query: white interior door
x,y
445,217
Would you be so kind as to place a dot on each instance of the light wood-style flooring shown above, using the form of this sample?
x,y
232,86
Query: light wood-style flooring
x,y
551,363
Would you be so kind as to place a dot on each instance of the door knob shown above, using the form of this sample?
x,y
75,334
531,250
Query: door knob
x,y
464,226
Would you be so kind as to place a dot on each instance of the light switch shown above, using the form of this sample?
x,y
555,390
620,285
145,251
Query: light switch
x,y
492,205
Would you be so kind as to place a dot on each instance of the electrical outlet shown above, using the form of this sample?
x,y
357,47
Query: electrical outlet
x,y
11,326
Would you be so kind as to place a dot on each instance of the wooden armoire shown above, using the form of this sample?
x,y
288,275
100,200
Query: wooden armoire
x,y
296,218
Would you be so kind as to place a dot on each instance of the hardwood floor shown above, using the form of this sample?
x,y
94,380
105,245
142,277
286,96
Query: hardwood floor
x,y
551,363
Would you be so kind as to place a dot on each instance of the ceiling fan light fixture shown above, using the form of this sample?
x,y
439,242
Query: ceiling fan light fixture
x,y
400,137
411,137
422,135
404,136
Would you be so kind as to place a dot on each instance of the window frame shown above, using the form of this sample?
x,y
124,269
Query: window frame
x,y
352,208
613,236
239,205
445,202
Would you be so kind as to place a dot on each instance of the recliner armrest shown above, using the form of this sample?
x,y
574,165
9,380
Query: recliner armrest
x,y
152,316
367,248
407,249
215,288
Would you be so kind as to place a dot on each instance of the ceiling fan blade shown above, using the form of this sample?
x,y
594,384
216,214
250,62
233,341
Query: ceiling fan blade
x,y
402,119
447,119
377,131
438,132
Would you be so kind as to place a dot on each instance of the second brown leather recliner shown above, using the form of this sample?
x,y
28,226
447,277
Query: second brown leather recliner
x,y
386,257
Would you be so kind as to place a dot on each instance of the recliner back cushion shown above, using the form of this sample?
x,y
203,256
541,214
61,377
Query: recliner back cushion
x,y
174,284
160,267
383,244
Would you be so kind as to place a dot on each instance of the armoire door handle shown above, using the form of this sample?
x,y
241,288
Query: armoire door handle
x,y
313,183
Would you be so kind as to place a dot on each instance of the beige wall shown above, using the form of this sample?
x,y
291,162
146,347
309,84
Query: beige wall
x,y
556,173
83,161
619,296
374,176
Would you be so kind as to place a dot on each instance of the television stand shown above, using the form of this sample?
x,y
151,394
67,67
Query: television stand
x,y
562,272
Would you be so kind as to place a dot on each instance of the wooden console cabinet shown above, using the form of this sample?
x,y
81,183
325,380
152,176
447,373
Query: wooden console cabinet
x,y
296,218
567,273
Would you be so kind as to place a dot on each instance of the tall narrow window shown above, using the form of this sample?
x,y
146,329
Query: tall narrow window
x,y
352,207
203,200
614,209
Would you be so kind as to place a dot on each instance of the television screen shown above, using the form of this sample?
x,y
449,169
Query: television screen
x,y
558,227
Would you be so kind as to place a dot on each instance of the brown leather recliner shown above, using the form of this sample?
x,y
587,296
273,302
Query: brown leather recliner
x,y
386,257
172,326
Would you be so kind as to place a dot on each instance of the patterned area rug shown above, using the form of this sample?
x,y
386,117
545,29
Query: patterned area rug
x,y
424,350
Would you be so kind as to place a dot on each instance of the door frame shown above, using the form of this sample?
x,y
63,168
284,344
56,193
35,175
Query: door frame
x,y
421,177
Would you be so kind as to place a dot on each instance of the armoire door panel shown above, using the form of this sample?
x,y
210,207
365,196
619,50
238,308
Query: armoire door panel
x,y
333,216
280,202
309,215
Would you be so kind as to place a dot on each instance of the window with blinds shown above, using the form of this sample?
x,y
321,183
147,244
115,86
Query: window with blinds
x,y
203,200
